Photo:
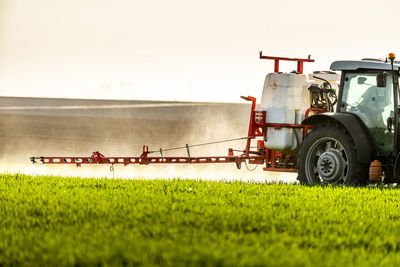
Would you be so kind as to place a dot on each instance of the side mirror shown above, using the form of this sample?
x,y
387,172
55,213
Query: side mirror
x,y
381,79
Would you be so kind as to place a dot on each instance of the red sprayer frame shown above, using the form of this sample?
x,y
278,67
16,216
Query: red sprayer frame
x,y
273,160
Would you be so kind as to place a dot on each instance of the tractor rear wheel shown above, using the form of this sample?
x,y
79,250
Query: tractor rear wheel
x,y
328,156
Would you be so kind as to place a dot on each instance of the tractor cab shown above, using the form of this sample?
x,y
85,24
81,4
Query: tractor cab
x,y
367,91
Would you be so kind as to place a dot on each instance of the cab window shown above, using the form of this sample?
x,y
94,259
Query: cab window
x,y
373,104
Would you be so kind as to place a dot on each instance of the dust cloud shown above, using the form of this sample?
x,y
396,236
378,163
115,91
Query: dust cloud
x,y
122,132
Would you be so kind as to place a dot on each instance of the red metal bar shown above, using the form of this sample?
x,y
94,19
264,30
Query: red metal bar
x,y
316,110
164,160
287,58
280,169
276,65
145,160
300,61
278,126
300,67
250,134
273,159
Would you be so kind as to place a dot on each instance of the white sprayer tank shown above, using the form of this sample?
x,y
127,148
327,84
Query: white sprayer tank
x,y
286,98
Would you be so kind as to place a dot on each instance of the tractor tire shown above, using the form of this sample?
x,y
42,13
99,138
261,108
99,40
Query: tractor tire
x,y
328,156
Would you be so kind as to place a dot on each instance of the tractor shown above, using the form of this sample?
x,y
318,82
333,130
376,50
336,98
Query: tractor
x,y
348,136
364,128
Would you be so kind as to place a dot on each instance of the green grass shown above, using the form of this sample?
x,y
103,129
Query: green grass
x,y
72,221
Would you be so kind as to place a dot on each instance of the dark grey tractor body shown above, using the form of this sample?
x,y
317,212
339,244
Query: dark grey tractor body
x,y
363,128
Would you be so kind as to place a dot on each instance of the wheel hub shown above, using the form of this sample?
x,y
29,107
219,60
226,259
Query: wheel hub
x,y
331,165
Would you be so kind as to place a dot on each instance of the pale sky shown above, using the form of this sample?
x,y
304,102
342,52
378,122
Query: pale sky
x,y
179,49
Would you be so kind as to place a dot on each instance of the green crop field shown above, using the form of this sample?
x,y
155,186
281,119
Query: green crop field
x,y
73,221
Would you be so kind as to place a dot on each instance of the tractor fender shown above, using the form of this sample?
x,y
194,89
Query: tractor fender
x,y
360,134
